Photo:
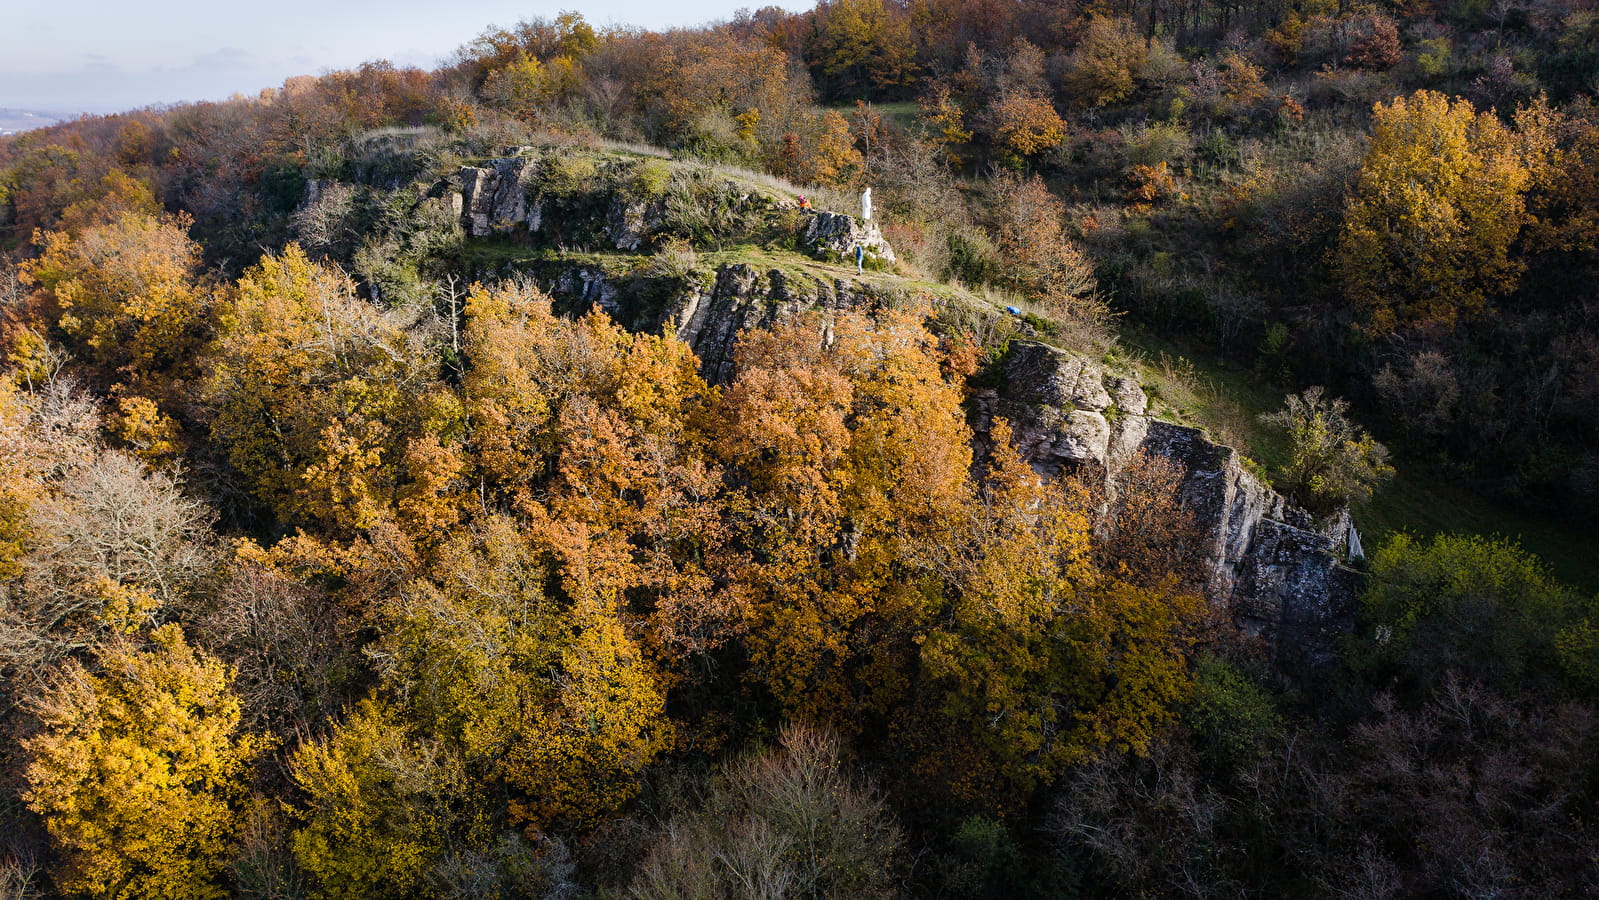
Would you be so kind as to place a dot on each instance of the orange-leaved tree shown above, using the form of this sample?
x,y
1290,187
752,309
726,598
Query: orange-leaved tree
x,y
1041,258
850,450
596,438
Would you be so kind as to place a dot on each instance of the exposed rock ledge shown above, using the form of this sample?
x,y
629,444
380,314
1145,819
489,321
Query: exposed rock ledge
x,y
841,234
710,314
1279,572
501,197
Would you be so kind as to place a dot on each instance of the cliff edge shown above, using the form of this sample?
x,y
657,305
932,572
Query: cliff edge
x,y
1281,573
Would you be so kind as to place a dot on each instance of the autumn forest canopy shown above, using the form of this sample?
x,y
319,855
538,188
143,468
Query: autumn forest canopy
x,y
495,481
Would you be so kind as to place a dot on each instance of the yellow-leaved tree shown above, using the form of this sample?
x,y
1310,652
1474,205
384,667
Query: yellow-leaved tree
x,y
1037,659
549,698
326,407
126,296
1427,236
1106,64
1012,567
380,806
138,771
1027,124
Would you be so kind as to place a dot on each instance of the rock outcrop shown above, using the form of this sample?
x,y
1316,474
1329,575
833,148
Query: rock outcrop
x,y
500,198
1279,571
509,196
839,235
494,198
744,297
709,310
572,200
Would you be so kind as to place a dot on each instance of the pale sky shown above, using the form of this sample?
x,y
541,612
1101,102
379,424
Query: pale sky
x,y
74,56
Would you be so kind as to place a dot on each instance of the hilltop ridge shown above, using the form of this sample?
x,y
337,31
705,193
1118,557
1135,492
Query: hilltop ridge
x,y
16,121
686,250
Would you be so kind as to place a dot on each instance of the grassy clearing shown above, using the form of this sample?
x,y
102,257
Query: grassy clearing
x,y
906,114
1425,501
1188,387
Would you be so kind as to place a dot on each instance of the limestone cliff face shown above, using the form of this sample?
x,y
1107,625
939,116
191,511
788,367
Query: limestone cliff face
x,y
494,198
510,196
502,198
709,310
1279,571
743,297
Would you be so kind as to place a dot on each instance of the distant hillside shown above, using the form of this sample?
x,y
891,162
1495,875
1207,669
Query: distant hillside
x,y
13,121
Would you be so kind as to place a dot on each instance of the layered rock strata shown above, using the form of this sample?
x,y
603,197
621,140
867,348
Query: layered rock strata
x,y
500,197
709,314
1280,572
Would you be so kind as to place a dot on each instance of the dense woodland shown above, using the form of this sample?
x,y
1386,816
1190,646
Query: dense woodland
x,y
337,560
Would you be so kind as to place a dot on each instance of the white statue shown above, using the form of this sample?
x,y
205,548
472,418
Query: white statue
x,y
866,205
1356,552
